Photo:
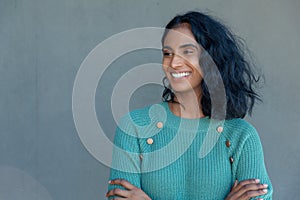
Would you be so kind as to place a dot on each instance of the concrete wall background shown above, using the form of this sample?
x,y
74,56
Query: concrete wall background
x,y
43,44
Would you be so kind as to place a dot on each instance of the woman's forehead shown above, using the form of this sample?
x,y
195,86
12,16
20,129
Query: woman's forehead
x,y
179,36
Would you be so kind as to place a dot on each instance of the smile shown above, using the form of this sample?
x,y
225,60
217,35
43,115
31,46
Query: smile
x,y
180,74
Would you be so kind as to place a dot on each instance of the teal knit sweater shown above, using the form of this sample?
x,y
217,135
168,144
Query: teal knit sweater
x,y
171,158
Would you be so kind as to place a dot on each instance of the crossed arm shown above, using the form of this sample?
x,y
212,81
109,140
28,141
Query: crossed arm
x,y
243,190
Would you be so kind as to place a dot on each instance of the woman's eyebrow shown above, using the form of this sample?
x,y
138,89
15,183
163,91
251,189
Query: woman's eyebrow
x,y
181,46
188,45
167,47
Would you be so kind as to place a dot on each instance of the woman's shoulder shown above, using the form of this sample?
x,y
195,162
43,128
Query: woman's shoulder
x,y
239,124
142,116
239,129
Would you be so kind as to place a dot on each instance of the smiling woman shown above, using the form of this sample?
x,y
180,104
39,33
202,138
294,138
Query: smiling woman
x,y
234,168
181,54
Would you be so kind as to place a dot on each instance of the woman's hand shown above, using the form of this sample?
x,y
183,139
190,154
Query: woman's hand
x,y
246,189
132,192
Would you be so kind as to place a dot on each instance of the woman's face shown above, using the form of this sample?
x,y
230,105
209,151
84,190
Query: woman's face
x,y
181,54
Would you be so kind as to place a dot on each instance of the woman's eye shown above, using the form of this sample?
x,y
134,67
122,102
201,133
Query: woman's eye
x,y
167,54
188,51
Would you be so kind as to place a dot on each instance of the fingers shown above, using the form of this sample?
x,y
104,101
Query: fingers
x,y
130,192
235,184
247,189
250,194
245,182
123,183
118,192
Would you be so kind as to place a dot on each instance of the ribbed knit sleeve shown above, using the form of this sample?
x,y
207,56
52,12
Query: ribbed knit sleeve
x,y
125,161
251,163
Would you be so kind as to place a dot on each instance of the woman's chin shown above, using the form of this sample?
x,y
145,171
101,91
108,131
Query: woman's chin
x,y
183,90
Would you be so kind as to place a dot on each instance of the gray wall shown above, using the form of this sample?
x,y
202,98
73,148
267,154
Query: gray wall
x,y
43,43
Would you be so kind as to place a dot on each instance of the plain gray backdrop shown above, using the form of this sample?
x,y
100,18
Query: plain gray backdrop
x,y
44,42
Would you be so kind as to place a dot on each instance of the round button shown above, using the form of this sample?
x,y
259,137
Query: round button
x,y
159,125
231,159
220,129
150,141
227,143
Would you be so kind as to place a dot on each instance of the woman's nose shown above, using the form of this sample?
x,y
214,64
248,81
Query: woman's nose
x,y
177,61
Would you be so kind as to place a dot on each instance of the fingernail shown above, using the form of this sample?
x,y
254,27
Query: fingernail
x,y
109,182
265,185
265,190
257,180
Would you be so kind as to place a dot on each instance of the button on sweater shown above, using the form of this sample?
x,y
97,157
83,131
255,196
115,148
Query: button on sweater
x,y
185,159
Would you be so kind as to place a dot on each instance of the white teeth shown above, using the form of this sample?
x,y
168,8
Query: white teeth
x,y
180,75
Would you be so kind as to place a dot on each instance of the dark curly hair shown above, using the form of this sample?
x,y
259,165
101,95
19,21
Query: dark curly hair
x,y
229,55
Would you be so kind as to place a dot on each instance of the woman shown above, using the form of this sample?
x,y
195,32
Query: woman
x,y
195,144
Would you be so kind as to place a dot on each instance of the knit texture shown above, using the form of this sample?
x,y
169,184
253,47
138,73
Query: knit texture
x,y
172,167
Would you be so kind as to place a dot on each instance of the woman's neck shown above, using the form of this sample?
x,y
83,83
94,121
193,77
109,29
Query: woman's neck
x,y
189,105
